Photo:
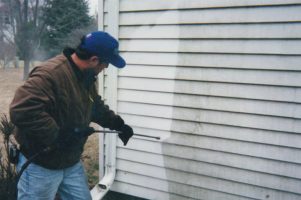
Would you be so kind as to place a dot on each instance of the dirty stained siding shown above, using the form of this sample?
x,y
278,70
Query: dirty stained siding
x,y
219,81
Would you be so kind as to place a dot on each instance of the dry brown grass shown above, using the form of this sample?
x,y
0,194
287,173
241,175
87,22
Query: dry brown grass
x,y
10,80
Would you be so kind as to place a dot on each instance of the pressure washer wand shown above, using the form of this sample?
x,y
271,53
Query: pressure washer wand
x,y
135,134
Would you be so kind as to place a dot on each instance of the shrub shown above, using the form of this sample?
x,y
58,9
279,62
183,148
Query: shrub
x,y
7,170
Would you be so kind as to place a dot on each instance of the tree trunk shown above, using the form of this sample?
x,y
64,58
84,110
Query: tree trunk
x,y
16,62
26,68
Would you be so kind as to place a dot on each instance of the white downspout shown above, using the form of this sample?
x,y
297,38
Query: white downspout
x,y
100,190
101,83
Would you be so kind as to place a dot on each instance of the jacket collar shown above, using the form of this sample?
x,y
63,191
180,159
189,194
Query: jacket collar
x,y
68,52
87,77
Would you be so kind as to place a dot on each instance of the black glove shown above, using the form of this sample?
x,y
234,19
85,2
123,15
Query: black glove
x,y
126,133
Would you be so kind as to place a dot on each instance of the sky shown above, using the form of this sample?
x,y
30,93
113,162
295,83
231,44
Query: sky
x,y
92,6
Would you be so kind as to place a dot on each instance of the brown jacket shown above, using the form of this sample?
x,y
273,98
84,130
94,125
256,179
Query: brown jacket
x,y
55,99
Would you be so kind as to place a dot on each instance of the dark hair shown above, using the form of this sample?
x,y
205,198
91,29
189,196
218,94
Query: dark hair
x,y
82,53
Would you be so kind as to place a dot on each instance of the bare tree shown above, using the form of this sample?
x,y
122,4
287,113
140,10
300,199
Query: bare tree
x,y
7,50
25,27
7,53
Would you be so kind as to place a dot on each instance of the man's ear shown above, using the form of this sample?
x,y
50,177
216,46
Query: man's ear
x,y
94,59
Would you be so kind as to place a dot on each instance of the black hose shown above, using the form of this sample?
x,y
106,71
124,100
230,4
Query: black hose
x,y
25,165
47,149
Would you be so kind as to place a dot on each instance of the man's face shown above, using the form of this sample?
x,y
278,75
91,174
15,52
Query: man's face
x,y
100,67
96,64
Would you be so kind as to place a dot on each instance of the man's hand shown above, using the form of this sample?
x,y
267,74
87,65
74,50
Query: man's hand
x,y
126,133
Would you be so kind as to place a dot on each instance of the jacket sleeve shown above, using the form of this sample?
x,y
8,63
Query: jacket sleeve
x,y
102,115
29,110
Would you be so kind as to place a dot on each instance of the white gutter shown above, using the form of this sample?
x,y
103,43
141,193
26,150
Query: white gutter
x,y
100,190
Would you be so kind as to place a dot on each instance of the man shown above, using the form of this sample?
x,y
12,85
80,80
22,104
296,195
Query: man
x,y
54,108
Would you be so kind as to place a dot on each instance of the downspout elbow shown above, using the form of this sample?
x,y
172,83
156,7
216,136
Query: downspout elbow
x,y
101,189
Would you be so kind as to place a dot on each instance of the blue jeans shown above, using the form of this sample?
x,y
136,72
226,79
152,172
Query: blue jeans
x,y
39,183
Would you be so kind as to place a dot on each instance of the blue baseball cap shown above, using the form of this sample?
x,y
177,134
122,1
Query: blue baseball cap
x,y
104,46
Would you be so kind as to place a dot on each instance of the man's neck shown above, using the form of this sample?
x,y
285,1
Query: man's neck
x,y
80,63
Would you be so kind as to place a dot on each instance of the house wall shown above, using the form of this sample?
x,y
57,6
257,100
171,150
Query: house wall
x,y
219,82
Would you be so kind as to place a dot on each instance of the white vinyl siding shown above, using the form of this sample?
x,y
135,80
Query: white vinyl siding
x,y
220,83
